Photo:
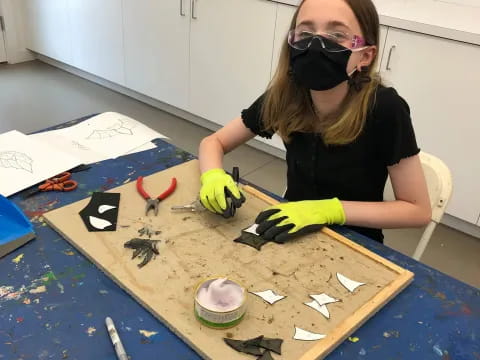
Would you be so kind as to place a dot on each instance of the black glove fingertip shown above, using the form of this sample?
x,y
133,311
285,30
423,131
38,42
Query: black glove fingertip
x,y
237,202
264,215
242,198
264,226
275,231
284,237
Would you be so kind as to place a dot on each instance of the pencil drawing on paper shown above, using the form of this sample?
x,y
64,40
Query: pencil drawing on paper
x,y
121,127
79,146
16,160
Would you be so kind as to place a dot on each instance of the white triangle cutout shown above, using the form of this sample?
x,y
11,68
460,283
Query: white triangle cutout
x,y
305,335
269,296
322,309
349,284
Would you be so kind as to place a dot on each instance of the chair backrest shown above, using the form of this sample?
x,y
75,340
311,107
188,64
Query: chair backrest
x,y
439,184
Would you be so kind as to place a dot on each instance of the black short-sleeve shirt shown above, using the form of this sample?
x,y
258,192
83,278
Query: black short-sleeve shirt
x,y
352,172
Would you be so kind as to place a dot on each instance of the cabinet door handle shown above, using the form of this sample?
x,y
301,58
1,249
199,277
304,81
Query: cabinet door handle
x,y
194,10
390,57
182,9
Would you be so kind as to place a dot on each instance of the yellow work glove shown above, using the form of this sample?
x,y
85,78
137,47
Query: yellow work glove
x,y
217,186
283,222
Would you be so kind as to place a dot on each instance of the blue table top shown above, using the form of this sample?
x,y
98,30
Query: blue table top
x,y
53,301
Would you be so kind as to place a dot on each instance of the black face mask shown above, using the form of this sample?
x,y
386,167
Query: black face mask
x,y
317,69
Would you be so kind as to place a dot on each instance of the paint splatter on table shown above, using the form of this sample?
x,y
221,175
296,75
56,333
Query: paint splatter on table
x,y
53,301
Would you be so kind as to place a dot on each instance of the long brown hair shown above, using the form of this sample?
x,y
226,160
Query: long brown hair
x,y
288,107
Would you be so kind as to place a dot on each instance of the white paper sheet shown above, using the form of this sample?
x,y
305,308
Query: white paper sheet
x,y
147,146
25,161
82,152
102,137
72,147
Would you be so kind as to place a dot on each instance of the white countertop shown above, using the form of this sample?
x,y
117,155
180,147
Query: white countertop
x,y
451,19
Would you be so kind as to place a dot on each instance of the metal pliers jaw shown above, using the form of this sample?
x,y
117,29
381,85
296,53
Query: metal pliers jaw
x,y
152,204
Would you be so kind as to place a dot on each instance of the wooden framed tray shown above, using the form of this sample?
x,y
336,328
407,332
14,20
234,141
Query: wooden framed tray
x,y
196,246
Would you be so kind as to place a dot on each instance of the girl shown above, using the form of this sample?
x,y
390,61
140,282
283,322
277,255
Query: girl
x,y
344,132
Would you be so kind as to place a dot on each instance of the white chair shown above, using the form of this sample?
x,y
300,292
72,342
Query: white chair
x,y
439,183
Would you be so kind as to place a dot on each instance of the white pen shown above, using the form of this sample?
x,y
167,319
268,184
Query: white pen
x,y
117,344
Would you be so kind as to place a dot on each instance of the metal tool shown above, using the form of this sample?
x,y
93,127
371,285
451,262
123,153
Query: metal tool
x,y
152,203
231,208
195,206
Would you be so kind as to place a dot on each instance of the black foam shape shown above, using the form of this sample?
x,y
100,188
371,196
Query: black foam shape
x,y
240,346
252,240
266,356
98,199
274,345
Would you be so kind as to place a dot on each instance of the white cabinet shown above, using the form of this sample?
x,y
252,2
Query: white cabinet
x,y
230,56
97,37
3,53
47,28
157,34
284,18
381,45
439,79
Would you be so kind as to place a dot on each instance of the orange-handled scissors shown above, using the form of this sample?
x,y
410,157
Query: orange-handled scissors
x,y
61,182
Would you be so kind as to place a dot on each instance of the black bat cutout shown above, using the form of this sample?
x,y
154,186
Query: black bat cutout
x,y
255,241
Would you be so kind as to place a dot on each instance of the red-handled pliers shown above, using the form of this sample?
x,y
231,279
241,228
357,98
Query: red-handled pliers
x,y
152,204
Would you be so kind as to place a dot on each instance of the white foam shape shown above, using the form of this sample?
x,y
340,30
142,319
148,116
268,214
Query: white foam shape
x,y
98,223
269,296
322,309
252,229
323,299
103,208
221,295
349,284
305,335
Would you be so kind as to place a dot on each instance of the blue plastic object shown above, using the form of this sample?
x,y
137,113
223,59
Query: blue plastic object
x,y
15,228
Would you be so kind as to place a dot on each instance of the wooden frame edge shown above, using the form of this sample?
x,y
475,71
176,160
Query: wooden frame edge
x,y
358,318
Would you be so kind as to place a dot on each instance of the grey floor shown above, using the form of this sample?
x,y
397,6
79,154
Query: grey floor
x,y
34,95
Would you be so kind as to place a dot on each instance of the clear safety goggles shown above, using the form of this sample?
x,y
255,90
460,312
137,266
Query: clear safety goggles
x,y
331,42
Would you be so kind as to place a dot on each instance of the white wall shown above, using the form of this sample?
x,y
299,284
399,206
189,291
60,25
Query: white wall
x,y
12,11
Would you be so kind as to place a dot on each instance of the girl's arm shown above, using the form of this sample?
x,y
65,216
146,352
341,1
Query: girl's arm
x,y
411,207
213,147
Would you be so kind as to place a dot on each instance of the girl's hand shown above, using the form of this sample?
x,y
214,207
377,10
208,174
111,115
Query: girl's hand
x,y
216,185
286,221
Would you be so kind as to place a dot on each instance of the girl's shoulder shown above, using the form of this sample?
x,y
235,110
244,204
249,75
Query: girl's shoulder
x,y
386,99
391,126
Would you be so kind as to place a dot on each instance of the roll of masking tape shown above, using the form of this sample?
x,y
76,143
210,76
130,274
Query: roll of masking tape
x,y
220,303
